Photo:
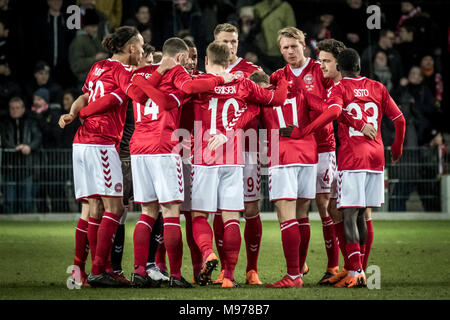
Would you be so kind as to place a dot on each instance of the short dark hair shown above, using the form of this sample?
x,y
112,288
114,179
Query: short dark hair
x,y
332,46
17,99
259,77
148,49
348,60
173,46
384,32
189,43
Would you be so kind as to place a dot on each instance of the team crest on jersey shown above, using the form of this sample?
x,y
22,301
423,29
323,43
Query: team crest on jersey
x,y
118,187
239,74
309,79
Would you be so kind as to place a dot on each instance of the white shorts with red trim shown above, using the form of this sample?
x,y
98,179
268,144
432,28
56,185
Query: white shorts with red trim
x,y
187,170
252,177
360,189
334,193
292,182
157,177
217,188
97,171
326,168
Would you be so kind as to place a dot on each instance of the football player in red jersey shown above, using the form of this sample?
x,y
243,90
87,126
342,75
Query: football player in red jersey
x,y
228,34
360,160
217,175
96,143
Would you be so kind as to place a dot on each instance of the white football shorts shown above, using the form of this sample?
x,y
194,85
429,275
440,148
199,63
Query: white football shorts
x,y
326,168
252,177
157,177
217,188
360,189
292,182
97,171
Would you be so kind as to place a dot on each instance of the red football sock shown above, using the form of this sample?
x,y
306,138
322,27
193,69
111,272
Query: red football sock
x,y
354,256
369,241
363,251
81,244
93,225
252,236
203,235
196,254
174,244
331,246
340,232
160,256
305,235
231,246
141,242
218,237
105,236
290,238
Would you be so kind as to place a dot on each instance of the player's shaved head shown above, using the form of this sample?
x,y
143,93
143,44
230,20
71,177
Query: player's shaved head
x,y
173,46
332,46
218,53
225,27
292,32
348,61
259,77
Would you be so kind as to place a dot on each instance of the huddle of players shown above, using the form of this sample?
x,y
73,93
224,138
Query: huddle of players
x,y
302,167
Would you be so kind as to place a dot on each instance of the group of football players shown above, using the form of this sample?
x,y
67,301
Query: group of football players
x,y
194,150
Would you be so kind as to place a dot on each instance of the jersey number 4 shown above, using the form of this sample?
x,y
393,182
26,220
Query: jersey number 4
x,y
370,119
149,108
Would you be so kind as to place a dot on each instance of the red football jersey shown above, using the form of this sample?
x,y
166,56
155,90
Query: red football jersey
x,y
310,78
245,68
154,124
296,110
105,77
216,112
368,100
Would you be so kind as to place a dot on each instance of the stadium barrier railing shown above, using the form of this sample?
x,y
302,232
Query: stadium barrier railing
x,y
42,182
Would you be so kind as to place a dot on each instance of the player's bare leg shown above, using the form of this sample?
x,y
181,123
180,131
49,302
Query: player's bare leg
x,y
141,243
203,236
290,238
231,246
355,277
369,238
329,235
302,214
173,242
252,236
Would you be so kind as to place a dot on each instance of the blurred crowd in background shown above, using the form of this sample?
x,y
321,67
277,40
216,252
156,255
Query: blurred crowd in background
x,y
43,64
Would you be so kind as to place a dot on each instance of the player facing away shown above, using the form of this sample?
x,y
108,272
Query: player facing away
x,y
360,160
306,74
217,175
156,167
329,50
228,34
95,148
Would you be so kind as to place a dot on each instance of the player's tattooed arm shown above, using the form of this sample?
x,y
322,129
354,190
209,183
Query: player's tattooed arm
x,y
77,105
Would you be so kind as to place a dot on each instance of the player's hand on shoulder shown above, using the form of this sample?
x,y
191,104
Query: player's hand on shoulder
x,y
369,131
286,132
228,77
167,63
65,119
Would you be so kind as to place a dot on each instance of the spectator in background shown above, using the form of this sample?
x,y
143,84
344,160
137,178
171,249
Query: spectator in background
x,y
322,28
271,16
385,43
432,78
352,20
146,33
407,47
69,131
21,134
42,79
186,15
4,43
381,71
86,48
113,11
142,17
86,6
8,87
51,42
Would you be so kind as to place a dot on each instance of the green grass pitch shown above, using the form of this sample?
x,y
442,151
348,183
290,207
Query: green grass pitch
x,y
413,256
